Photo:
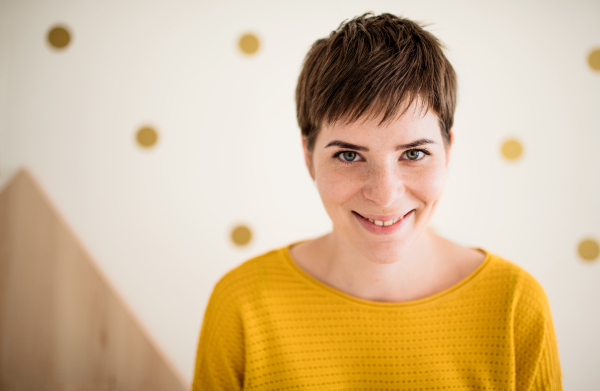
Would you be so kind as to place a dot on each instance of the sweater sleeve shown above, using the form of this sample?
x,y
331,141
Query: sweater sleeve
x,y
536,351
220,358
547,376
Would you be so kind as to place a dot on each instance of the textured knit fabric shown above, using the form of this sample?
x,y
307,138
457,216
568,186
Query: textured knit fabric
x,y
269,325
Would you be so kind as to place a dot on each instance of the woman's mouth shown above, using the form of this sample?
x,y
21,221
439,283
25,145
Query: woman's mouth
x,y
382,227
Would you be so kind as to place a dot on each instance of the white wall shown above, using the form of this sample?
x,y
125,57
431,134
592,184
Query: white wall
x,y
157,221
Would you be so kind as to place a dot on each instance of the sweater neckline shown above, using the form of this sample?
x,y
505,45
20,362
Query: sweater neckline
x,y
382,304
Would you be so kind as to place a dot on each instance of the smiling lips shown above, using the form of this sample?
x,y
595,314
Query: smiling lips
x,y
377,225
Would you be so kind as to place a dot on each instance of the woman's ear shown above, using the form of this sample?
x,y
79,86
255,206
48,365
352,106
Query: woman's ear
x,y
308,158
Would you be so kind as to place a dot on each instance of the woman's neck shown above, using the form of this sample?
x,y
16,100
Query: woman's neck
x,y
430,265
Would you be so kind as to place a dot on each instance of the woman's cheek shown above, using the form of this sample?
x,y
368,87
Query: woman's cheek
x,y
429,184
336,185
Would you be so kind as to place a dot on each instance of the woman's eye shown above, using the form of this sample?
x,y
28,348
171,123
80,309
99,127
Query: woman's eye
x,y
349,156
415,154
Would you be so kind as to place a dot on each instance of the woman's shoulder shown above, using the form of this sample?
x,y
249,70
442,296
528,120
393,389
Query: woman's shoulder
x,y
490,273
254,272
525,291
514,274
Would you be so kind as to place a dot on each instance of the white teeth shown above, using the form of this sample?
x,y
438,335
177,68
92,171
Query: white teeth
x,y
384,223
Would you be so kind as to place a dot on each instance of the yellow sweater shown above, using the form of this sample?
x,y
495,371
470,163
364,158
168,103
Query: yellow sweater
x,y
271,326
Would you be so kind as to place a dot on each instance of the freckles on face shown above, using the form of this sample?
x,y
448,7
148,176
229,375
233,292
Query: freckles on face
x,y
427,183
338,184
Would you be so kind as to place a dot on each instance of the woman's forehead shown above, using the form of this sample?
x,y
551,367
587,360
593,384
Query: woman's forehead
x,y
413,123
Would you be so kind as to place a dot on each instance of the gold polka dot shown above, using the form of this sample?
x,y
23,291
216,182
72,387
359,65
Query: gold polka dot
x,y
146,137
594,59
241,235
249,43
512,149
588,249
59,37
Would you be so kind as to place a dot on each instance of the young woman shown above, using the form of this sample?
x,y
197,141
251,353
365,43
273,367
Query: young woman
x,y
379,303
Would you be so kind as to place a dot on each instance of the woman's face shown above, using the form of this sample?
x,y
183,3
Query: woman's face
x,y
386,173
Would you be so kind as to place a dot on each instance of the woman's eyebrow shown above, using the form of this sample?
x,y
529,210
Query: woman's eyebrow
x,y
343,144
416,143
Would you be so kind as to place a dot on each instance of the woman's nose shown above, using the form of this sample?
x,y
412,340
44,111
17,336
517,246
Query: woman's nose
x,y
384,185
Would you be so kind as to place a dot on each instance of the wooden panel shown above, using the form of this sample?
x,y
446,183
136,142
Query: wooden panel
x,y
62,326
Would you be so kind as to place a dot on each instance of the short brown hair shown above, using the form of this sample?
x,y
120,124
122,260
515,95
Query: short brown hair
x,y
371,65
